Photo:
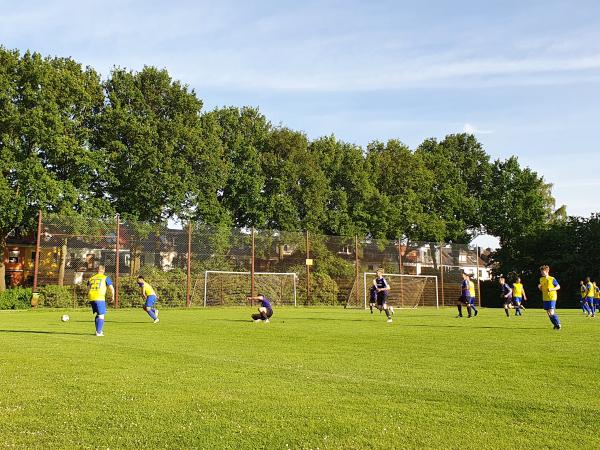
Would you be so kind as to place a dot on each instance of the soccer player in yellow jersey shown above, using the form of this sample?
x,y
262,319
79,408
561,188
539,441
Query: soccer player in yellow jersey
x,y
473,299
549,287
518,296
583,302
149,297
97,286
596,296
590,292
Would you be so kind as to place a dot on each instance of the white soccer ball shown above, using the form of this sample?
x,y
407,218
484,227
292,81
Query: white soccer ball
x,y
64,318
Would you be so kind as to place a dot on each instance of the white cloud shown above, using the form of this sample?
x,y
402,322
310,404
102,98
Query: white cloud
x,y
472,129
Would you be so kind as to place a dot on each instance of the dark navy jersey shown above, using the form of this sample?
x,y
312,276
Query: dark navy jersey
x,y
506,291
381,283
465,288
373,294
265,303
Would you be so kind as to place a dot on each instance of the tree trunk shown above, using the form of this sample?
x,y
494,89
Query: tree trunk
x,y
2,269
434,257
63,263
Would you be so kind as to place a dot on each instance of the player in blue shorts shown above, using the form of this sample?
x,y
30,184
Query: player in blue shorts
x,y
596,297
465,296
473,299
518,296
150,298
590,291
97,286
382,288
549,287
506,295
265,310
582,301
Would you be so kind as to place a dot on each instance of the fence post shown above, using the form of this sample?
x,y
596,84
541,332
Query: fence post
x,y
356,263
400,271
307,270
188,300
478,284
117,277
252,268
36,264
442,273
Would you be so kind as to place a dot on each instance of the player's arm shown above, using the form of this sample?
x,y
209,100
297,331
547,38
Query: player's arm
x,y
257,297
524,295
555,287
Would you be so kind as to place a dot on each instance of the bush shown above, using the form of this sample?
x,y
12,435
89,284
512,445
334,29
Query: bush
x,y
169,286
16,298
52,296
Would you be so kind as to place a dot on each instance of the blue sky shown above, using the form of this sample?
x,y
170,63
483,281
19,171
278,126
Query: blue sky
x,y
523,76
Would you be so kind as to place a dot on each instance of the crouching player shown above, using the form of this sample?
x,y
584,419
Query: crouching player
x,y
265,310
150,298
382,288
98,285
549,287
518,296
506,295
465,295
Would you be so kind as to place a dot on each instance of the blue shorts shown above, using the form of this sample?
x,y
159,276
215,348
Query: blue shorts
x,y
150,300
517,300
382,297
549,304
590,300
99,307
472,300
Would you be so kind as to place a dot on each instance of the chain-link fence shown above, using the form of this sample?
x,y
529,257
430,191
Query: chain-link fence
x,y
198,265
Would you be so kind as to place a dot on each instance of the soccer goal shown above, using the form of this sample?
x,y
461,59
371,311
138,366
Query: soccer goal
x,y
224,288
406,291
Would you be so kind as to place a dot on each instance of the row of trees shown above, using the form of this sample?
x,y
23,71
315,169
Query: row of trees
x,y
138,143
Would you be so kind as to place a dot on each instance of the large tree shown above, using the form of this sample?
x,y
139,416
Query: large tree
x,y
47,107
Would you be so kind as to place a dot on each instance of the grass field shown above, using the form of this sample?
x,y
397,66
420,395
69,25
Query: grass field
x,y
312,378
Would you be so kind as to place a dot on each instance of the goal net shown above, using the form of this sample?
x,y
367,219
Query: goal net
x,y
406,291
223,288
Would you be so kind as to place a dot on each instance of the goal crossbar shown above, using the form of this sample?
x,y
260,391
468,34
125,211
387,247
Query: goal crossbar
x,y
402,276
294,276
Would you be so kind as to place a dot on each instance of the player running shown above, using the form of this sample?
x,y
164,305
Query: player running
x,y
590,292
382,288
97,286
506,295
596,297
150,298
465,296
265,310
519,296
582,301
372,297
549,287
472,299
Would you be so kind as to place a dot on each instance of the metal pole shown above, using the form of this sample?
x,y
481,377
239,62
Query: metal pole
x,y
478,285
252,285
36,265
400,270
356,263
117,262
307,270
365,287
295,290
188,300
205,286
442,274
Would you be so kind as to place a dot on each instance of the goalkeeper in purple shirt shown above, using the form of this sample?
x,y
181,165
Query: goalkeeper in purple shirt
x,y
265,310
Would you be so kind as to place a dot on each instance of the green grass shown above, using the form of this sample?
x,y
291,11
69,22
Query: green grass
x,y
312,378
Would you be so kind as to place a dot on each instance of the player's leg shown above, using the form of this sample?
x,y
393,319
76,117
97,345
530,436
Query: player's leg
x,y
149,308
263,313
256,317
100,309
506,308
387,312
371,306
459,306
592,306
549,306
473,306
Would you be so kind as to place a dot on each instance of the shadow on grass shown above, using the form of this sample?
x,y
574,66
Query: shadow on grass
x,y
46,332
481,327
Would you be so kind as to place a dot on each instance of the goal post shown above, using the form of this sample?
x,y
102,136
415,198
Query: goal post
x,y
230,288
407,291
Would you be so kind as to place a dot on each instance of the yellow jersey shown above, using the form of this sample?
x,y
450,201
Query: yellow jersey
x,y
147,290
98,285
583,291
518,290
545,284
596,292
471,289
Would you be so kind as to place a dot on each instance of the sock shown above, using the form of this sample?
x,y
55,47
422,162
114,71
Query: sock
x,y
506,311
474,308
387,313
459,310
556,321
99,325
552,319
152,313
593,309
371,307
469,310
263,315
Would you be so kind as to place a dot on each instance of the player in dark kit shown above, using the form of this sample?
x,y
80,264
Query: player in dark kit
x,y
372,297
465,296
506,295
382,288
265,310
